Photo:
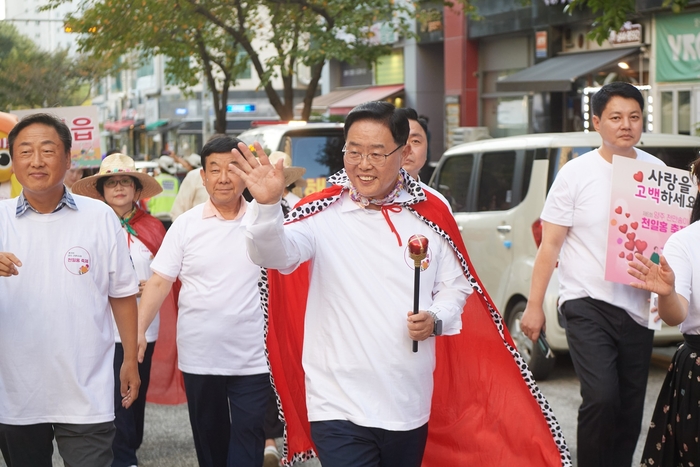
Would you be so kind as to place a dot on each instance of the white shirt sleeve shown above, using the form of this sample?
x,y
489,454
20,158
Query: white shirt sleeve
x,y
559,205
273,245
168,260
679,260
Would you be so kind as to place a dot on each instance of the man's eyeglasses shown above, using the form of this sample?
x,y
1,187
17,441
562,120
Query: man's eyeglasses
x,y
112,182
353,157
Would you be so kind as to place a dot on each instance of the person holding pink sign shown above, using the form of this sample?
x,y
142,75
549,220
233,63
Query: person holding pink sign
x,y
673,433
606,322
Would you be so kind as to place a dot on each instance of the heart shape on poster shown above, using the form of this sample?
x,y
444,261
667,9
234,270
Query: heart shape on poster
x,y
634,225
618,210
639,176
622,254
627,214
631,235
623,228
630,246
641,246
630,257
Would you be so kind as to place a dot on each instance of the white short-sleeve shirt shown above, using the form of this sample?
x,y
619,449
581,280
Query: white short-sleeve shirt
x,y
220,320
579,199
683,255
56,335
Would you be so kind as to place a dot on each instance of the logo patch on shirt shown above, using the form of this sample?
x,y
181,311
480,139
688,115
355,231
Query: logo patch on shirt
x,y
77,261
423,264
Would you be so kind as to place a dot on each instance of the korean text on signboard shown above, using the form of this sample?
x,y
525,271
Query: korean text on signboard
x,y
85,130
648,203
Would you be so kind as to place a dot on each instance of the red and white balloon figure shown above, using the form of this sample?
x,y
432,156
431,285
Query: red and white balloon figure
x,y
417,250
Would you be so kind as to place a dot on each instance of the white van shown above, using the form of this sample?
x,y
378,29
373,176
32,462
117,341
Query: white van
x,y
315,146
497,188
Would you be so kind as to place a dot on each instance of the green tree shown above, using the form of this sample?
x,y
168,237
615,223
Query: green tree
x,y
276,38
193,47
31,78
612,14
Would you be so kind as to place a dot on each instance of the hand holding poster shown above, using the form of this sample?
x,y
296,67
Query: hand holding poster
x,y
648,203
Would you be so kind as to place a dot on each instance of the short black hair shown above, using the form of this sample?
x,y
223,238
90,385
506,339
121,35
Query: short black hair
x,y
617,88
100,185
218,144
53,121
411,114
382,112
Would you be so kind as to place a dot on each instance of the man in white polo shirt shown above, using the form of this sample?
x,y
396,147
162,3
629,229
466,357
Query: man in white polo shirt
x,y
220,321
63,262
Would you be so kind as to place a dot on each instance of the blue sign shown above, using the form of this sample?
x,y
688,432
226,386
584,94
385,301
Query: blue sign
x,y
181,111
240,108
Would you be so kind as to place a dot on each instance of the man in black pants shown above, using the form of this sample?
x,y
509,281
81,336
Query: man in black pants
x,y
606,328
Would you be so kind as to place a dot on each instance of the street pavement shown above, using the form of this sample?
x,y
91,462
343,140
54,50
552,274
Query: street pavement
x,y
168,438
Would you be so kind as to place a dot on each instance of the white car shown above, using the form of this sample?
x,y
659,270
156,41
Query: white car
x,y
497,188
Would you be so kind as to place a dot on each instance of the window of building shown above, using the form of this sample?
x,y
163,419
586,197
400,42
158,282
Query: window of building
x,y
676,115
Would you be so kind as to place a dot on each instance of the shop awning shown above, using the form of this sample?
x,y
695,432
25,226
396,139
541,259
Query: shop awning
x,y
373,93
158,123
117,126
322,102
559,73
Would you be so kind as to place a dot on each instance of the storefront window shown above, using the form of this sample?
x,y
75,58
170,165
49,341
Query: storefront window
x,y
506,116
684,112
667,112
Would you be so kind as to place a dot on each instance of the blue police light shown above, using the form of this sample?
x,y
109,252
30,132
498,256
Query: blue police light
x,y
240,108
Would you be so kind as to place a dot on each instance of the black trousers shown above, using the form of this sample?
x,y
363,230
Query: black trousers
x,y
611,355
129,422
227,414
86,445
341,443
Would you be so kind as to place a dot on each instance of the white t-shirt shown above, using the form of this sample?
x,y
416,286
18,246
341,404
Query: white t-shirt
x,y
56,338
682,253
142,257
357,353
579,199
220,321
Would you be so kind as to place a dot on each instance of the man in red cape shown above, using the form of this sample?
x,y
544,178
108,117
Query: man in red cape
x,y
486,409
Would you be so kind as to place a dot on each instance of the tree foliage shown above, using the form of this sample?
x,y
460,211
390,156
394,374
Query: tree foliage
x,y
612,14
221,38
134,31
31,78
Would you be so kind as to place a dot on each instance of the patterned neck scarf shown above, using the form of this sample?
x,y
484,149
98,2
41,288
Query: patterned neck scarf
x,y
388,199
125,222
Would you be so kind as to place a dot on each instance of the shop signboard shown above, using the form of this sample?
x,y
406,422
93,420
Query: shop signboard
x,y
678,47
83,122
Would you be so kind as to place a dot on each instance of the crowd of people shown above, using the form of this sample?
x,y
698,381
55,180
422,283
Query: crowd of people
x,y
299,318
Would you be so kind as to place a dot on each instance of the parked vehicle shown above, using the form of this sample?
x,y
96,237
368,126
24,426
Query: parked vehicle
x,y
314,146
497,188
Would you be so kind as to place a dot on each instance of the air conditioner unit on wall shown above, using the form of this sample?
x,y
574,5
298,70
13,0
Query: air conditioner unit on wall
x,y
466,134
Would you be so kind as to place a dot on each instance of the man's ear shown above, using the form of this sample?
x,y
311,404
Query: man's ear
x,y
596,122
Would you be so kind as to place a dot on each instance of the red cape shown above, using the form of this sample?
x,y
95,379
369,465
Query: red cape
x,y
166,385
483,413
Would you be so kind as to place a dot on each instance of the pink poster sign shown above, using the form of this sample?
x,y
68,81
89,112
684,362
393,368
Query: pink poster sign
x,y
84,125
648,203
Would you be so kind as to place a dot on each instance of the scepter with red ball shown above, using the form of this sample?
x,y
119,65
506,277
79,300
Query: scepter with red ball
x,y
417,250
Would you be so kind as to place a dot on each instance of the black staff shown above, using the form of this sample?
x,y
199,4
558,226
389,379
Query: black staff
x,y
417,250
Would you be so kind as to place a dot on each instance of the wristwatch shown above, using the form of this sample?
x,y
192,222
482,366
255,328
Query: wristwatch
x,y
437,326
